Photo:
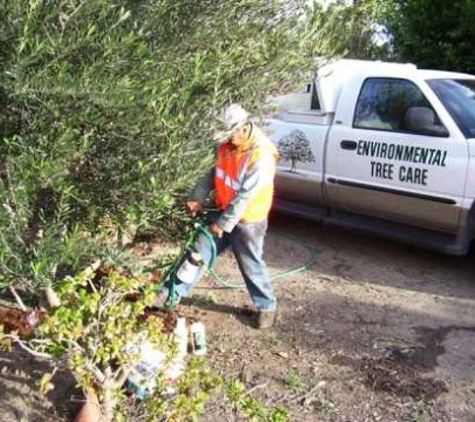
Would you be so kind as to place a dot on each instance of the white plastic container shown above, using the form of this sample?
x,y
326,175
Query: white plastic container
x,y
181,336
198,336
142,378
190,268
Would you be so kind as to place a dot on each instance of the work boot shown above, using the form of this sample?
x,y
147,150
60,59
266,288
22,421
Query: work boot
x,y
265,319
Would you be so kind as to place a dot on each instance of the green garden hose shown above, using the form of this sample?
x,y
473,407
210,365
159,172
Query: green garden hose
x,y
311,259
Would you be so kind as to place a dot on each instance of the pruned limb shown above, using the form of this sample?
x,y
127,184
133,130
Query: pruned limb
x,y
15,339
303,397
257,387
18,299
91,285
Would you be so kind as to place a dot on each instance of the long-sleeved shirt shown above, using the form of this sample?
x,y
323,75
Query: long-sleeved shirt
x,y
254,178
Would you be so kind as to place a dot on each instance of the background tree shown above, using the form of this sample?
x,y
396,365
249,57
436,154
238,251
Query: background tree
x,y
350,27
432,34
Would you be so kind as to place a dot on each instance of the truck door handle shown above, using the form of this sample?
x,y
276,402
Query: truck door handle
x,y
351,145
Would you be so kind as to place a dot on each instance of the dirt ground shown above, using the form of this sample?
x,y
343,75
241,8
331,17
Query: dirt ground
x,y
373,331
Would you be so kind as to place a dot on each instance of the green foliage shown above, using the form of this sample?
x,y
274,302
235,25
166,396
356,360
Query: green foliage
x,y
250,407
108,109
206,300
107,120
32,250
96,323
94,330
194,391
278,414
293,381
188,404
236,393
433,34
345,29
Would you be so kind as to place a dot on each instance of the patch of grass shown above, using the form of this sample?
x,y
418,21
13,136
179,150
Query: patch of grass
x,y
279,414
293,381
205,301
421,413
273,338
250,408
326,406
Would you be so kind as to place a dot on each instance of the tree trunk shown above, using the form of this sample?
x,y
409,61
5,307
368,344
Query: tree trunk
x,y
107,405
293,168
90,412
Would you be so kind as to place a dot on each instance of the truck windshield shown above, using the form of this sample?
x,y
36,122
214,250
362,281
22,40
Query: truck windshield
x,y
458,96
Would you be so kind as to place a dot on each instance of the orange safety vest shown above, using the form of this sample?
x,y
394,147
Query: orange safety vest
x,y
231,167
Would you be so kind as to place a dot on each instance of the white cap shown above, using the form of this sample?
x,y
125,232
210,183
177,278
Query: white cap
x,y
230,119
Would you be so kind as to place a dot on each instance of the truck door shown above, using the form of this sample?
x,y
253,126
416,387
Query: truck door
x,y
393,157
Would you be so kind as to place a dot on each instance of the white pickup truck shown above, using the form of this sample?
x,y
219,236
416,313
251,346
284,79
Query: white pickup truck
x,y
384,148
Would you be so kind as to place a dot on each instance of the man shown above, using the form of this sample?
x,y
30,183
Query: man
x,y
243,181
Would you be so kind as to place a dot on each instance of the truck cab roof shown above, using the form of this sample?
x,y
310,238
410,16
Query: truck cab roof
x,y
332,77
347,69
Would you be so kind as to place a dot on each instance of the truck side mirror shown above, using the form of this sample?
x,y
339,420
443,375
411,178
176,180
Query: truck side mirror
x,y
422,120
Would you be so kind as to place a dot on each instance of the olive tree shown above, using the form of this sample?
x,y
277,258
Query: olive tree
x,y
108,112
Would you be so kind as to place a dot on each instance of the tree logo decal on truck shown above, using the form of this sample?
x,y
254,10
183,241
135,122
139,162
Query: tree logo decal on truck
x,y
295,148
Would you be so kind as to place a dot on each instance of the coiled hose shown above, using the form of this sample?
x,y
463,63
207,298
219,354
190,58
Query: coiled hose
x,y
201,228
311,259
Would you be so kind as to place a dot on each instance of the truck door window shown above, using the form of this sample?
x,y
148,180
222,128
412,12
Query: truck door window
x,y
396,105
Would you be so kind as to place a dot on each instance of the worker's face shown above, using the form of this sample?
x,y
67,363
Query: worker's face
x,y
239,136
